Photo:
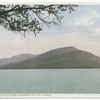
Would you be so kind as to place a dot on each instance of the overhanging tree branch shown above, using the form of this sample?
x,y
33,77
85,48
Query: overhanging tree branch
x,y
25,18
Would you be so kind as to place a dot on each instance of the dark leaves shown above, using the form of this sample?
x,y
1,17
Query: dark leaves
x,y
25,18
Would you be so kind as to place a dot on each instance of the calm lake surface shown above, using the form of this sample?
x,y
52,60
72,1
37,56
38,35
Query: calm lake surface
x,y
50,81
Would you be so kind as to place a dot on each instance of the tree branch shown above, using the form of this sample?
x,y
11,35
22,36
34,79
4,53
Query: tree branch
x,y
22,8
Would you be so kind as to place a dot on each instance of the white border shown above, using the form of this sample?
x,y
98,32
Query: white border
x,y
81,2
49,96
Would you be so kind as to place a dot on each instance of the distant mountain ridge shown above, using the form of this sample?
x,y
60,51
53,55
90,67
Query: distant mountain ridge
x,y
61,58
17,58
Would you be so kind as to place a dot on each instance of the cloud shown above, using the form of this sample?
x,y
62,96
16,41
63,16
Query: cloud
x,y
84,21
80,29
96,14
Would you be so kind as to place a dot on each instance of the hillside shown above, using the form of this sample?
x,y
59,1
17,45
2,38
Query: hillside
x,y
67,57
17,58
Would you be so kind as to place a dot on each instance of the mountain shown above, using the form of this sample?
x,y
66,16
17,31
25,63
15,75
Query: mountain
x,y
17,58
61,58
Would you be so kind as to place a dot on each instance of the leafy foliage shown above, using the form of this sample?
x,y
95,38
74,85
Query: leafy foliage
x,y
25,18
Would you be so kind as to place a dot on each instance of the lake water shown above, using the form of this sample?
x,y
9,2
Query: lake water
x,y
50,81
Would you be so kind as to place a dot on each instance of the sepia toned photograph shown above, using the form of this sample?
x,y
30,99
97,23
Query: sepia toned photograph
x,y
50,49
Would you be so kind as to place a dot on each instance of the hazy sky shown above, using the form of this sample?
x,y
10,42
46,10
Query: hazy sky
x,y
80,29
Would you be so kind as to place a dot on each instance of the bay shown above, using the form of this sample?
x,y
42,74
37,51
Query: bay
x,y
50,81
